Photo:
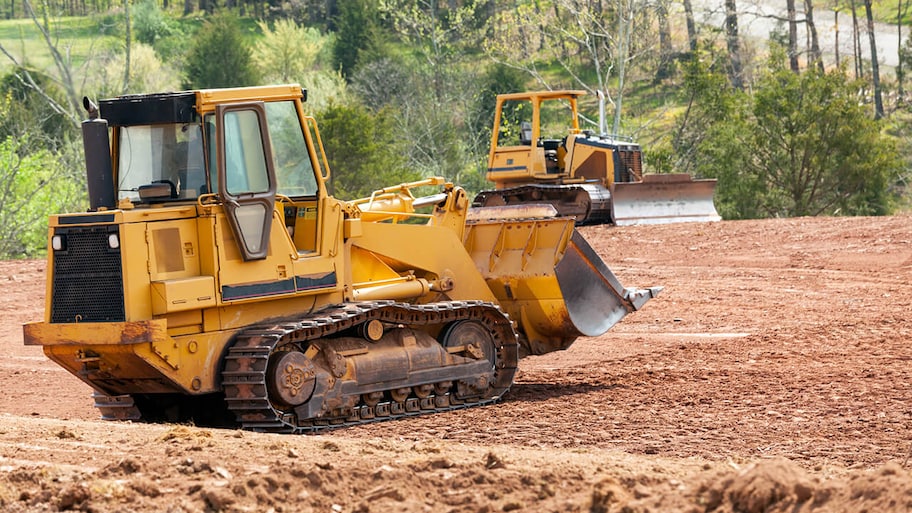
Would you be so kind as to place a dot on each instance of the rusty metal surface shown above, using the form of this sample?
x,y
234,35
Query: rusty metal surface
x,y
664,198
97,333
246,377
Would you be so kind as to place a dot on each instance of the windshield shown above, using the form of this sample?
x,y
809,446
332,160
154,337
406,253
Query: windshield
x,y
169,154
294,170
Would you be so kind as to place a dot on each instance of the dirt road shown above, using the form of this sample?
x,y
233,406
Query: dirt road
x,y
772,374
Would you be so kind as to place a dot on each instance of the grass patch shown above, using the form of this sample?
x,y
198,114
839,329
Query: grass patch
x,y
78,39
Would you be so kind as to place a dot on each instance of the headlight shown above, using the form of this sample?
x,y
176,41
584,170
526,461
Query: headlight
x,y
58,243
113,241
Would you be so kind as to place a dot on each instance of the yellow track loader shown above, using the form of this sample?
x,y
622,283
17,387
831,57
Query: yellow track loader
x,y
539,155
214,278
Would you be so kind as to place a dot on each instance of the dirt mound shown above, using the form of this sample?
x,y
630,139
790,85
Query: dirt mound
x,y
771,375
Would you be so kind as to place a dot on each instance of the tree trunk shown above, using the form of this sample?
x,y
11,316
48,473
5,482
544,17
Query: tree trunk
x,y
814,58
126,82
793,36
900,74
875,66
836,23
188,7
856,43
734,45
691,25
665,48
623,32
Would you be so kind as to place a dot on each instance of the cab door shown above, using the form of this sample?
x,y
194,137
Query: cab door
x,y
246,175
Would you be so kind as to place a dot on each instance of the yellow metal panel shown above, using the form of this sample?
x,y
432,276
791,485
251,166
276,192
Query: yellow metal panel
x,y
305,226
186,364
183,294
352,228
426,249
96,333
275,268
509,165
188,361
136,278
174,249
208,249
367,267
208,98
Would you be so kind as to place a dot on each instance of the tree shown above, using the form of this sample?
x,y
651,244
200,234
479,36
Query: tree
x,y
25,113
219,55
287,51
792,36
149,22
814,56
875,66
901,7
31,183
805,147
355,29
609,42
814,145
705,141
665,47
734,44
691,26
147,73
370,161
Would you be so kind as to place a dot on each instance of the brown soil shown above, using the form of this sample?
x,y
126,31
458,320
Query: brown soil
x,y
772,374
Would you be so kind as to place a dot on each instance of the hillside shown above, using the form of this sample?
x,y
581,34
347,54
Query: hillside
x,y
772,374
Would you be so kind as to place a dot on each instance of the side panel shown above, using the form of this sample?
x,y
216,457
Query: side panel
x,y
515,164
432,251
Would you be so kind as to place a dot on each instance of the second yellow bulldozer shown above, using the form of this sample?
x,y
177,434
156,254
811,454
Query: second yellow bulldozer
x,y
539,155
215,279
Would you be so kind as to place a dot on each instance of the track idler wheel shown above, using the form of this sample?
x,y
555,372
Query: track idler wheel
x,y
291,378
472,339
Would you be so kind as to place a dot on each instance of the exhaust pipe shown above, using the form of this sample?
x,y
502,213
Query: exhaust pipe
x,y
99,170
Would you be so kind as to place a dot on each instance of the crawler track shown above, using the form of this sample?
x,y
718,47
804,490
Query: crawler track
x,y
245,374
588,203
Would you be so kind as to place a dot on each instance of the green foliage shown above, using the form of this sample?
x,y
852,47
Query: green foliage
x,y
24,113
290,53
363,151
32,184
325,88
147,73
355,26
497,79
219,55
149,23
110,23
800,145
287,51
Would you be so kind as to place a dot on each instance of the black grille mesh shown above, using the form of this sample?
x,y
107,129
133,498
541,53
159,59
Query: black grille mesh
x,y
88,280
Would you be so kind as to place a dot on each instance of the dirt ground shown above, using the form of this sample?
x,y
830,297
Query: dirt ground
x,y
772,374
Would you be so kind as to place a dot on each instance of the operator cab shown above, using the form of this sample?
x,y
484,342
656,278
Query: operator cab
x,y
164,154
247,155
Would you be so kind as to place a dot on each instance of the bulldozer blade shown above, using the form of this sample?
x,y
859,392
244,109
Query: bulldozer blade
x,y
594,298
664,198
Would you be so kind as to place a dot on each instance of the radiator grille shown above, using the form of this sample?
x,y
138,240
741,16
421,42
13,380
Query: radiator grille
x,y
88,279
631,161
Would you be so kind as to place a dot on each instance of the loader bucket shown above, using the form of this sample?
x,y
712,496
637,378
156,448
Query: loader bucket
x,y
549,280
595,298
664,198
